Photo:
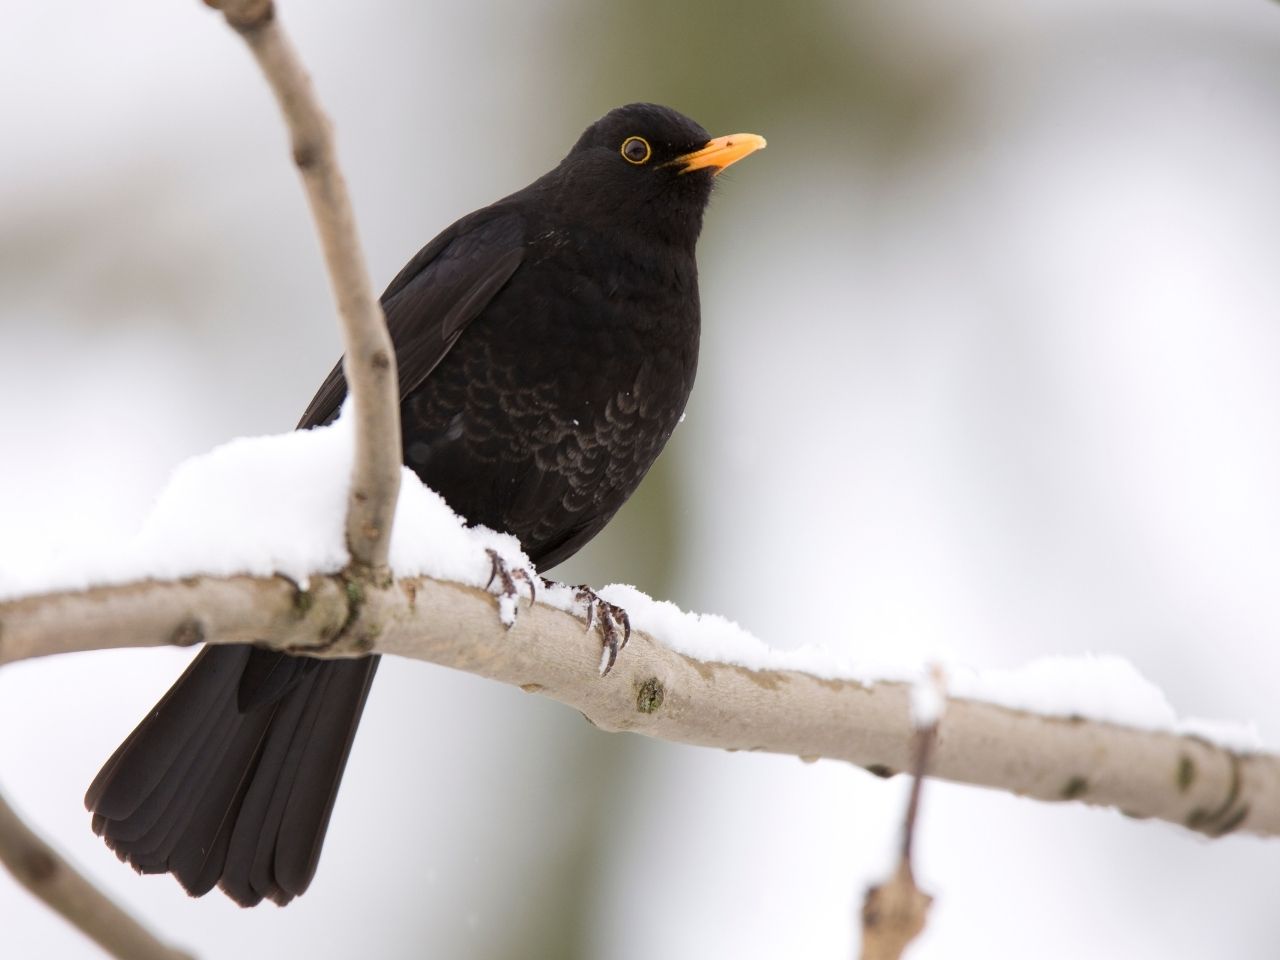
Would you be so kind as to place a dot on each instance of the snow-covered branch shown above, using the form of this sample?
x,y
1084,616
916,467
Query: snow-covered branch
x,y
369,361
1180,778
42,871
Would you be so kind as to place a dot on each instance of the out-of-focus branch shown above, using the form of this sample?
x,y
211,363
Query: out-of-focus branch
x,y
369,359
655,691
47,875
894,913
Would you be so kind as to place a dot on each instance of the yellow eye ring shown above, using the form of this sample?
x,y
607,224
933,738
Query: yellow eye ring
x,y
636,150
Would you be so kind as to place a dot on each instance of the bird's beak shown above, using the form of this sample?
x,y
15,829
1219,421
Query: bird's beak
x,y
721,152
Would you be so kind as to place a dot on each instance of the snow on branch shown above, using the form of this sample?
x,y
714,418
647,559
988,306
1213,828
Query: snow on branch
x,y
369,360
1183,778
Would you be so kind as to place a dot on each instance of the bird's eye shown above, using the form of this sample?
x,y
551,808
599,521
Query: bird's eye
x,y
636,150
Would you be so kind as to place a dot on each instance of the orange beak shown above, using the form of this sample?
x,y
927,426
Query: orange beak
x,y
722,152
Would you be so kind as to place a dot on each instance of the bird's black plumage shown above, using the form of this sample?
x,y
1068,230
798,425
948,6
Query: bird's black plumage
x,y
546,347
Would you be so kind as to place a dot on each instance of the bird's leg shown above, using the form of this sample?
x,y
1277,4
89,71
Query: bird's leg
x,y
508,592
615,625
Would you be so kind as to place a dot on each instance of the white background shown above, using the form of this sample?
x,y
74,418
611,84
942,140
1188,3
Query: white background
x,y
989,369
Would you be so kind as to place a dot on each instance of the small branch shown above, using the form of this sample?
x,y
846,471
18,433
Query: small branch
x,y
50,878
924,746
660,693
894,913
369,359
928,704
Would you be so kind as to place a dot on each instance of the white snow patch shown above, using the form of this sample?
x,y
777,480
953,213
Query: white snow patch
x,y
1227,733
263,506
277,505
928,698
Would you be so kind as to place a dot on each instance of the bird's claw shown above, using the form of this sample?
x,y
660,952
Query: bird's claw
x,y
508,590
615,625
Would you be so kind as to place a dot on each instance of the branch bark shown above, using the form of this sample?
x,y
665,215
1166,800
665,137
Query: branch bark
x,y
369,360
657,692
50,878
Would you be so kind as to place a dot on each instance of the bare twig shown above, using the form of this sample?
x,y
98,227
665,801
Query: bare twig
x,y
894,913
369,360
924,747
660,693
47,875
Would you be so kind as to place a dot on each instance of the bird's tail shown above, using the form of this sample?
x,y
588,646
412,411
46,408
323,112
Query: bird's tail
x,y
230,779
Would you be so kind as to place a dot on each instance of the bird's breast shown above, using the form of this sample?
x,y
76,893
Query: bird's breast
x,y
557,399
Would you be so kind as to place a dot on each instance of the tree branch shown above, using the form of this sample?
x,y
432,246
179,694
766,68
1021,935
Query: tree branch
x,y
50,878
660,693
369,360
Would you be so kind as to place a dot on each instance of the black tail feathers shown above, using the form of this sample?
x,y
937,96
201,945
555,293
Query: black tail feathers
x,y
231,778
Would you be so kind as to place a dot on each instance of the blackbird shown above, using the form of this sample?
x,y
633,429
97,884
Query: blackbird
x,y
546,346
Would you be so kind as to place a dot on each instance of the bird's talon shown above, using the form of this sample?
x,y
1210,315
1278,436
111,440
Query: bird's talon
x,y
608,656
613,623
498,571
508,591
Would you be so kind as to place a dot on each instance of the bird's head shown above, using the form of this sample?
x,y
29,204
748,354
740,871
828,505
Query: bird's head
x,y
649,167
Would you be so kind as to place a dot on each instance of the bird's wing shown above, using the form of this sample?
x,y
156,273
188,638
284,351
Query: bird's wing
x,y
431,301
428,305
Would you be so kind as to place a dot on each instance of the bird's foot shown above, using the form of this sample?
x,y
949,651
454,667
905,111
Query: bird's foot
x,y
613,621
614,624
508,591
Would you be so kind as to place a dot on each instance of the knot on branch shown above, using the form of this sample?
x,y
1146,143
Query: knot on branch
x,y
245,16
332,616
650,695
37,866
357,632
1229,814
188,632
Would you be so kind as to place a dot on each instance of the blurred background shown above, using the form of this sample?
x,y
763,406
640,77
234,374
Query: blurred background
x,y
989,371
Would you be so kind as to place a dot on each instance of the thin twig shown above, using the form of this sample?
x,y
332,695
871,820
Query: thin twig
x,y
928,706
50,878
369,359
894,913
653,690
924,747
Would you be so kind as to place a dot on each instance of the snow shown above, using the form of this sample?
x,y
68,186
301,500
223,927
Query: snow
x,y
928,698
263,506
276,505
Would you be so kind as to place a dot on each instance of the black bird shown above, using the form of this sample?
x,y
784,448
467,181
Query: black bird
x,y
546,347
